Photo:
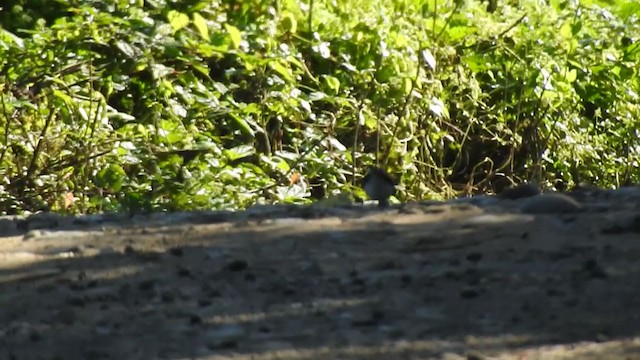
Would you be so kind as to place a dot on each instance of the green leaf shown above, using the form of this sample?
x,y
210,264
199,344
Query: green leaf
x,y
385,73
572,75
111,178
428,58
407,85
289,23
332,83
566,30
282,70
242,125
64,97
177,20
201,24
234,34
6,36
239,152
460,32
438,109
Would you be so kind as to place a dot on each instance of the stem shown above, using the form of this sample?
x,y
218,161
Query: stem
x,y
6,128
310,18
36,152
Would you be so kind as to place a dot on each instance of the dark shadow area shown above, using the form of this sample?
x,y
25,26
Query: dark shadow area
x,y
444,280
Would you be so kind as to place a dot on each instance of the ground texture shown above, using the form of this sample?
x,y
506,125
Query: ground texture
x,y
478,278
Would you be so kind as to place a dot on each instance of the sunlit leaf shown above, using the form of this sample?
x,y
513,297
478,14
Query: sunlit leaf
x,y
126,49
407,85
572,75
239,152
177,19
438,108
317,95
234,35
332,83
201,24
242,125
289,23
282,70
427,56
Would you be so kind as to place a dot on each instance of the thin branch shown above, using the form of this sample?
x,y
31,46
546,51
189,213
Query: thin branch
x,y
6,128
36,152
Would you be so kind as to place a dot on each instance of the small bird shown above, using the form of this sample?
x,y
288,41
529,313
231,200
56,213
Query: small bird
x,y
379,185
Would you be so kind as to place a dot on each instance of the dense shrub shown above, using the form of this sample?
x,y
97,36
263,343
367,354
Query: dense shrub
x,y
164,105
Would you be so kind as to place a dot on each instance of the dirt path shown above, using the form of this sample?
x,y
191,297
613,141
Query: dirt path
x,y
423,281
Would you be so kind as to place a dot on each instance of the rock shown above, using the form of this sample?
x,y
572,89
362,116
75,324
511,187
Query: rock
x,y
550,203
474,256
475,355
469,293
478,200
626,192
33,234
520,191
43,220
238,265
8,226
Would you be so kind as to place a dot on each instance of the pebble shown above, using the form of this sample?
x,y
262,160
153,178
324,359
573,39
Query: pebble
x,y
8,226
520,191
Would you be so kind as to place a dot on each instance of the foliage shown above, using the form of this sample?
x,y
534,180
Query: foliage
x,y
161,105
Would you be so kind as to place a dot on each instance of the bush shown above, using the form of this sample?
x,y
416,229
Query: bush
x,y
120,105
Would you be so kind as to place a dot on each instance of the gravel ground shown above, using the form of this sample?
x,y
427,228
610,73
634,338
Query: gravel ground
x,y
545,277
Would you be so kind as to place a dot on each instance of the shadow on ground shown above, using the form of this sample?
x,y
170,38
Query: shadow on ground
x,y
435,282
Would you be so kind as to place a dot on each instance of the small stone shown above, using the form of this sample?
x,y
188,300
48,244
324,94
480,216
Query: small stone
x,y
551,203
45,288
469,293
184,272
264,329
406,279
146,285
238,265
594,270
8,226
520,191
35,336
475,355
168,297
43,220
195,319
474,256
33,234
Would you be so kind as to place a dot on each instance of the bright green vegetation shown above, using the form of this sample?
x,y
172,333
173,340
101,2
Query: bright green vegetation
x,y
173,105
